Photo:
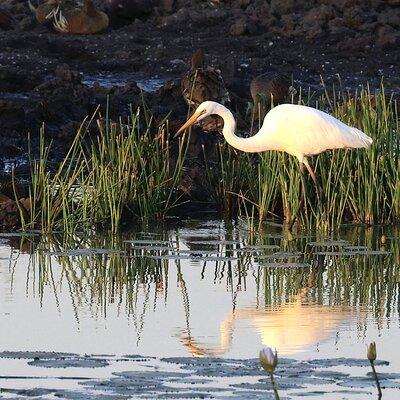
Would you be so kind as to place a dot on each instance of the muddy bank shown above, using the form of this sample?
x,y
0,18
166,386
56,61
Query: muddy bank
x,y
58,79
358,40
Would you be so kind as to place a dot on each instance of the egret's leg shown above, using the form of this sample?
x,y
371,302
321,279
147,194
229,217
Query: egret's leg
x,y
311,172
302,200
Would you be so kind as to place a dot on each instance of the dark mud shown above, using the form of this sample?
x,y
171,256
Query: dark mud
x,y
59,79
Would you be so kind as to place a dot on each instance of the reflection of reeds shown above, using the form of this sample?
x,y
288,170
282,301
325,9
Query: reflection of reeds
x,y
126,279
358,185
358,280
134,281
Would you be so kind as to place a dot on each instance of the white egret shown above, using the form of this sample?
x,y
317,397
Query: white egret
x,y
298,130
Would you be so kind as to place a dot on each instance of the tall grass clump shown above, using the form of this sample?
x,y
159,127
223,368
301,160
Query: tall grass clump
x,y
359,185
126,171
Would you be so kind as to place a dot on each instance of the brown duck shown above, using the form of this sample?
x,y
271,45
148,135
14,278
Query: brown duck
x,y
268,89
85,21
46,11
202,83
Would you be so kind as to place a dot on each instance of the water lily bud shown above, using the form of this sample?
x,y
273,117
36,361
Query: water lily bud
x,y
268,359
371,352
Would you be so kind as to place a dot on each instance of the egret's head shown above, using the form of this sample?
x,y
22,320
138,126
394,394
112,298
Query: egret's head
x,y
203,110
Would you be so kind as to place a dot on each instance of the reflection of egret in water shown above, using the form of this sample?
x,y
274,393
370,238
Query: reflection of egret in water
x,y
291,327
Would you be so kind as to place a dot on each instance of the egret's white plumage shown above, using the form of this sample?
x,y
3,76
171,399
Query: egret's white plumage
x,y
295,129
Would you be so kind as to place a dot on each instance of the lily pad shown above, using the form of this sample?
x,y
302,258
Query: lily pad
x,y
285,265
336,253
148,242
329,243
84,252
261,247
70,363
36,355
279,256
170,257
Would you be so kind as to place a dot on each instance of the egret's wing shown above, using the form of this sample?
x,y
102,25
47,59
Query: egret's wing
x,y
302,130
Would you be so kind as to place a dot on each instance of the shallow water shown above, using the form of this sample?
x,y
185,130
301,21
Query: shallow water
x,y
121,79
205,289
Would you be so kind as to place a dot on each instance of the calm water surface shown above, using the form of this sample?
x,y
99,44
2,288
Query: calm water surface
x,y
203,289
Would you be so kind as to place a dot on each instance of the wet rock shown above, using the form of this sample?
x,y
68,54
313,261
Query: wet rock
x,y
338,26
168,5
353,17
259,13
177,19
390,17
128,10
315,20
62,99
387,36
6,20
281,7
206,18
65,73
9,213
239,28
12,116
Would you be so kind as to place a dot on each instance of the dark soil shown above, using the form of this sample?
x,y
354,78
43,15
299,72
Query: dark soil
x,y
57,79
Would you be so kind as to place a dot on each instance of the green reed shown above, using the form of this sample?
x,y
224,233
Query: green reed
x,y
126,171
359,185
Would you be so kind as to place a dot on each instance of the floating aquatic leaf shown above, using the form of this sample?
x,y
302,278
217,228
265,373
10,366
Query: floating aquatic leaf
x,y
36,354
171,257
285,265
363,381
329,243
84,252
151,248
17,234
355,248
342,361
197,251
81,362
279,256
261,247
336,253
216,258
148,242
352,253
214,242
373,253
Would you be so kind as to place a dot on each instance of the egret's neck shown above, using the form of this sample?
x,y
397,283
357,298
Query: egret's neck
x,y
248,145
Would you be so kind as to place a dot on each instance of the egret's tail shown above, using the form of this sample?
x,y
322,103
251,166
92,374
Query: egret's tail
x,y
360,139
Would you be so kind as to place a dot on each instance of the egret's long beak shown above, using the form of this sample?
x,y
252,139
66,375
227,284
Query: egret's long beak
x,y
192,120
